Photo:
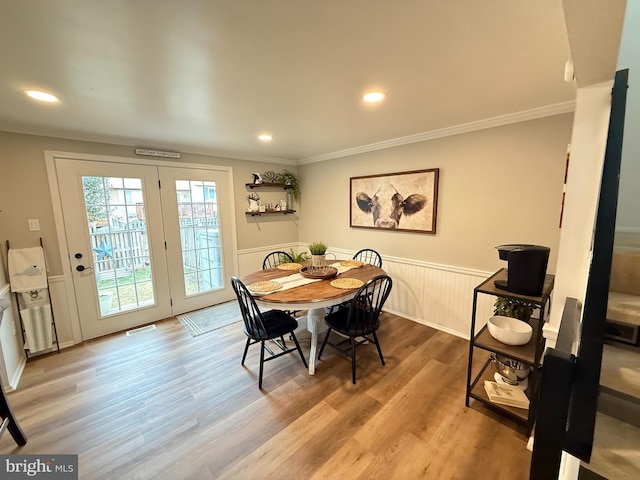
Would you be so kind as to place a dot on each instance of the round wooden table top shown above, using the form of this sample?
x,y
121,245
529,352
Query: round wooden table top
x,y
315,292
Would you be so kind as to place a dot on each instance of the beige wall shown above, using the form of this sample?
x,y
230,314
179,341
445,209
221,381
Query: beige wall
x,y
500,185
24,193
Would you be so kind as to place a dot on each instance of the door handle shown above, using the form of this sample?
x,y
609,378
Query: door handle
x,y
82,268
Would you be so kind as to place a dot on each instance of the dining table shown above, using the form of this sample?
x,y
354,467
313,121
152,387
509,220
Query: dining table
x,y
313,295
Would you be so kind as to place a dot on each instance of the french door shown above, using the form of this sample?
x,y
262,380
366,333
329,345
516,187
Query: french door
x,y
197,229
140,253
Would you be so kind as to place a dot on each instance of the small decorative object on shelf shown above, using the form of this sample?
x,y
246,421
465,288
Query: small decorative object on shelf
x,y
253,199
512,307
257,179
270,177
506,395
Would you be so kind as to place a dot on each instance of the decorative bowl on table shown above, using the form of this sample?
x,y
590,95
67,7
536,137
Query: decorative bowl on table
x,y
508,330
319,272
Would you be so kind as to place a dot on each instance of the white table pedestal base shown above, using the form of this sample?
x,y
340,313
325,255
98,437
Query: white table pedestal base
x,y
315,325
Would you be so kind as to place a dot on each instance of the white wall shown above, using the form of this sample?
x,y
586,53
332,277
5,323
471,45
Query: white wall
x,y
588,139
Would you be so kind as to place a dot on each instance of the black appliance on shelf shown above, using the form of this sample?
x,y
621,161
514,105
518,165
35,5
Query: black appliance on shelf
x,y
526,268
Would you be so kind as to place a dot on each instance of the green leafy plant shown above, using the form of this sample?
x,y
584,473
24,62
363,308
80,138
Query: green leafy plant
x,y
253,196
318,248
510,307
298,257
290,178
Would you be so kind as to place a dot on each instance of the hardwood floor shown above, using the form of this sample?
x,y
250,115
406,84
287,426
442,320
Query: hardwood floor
x,y
164,405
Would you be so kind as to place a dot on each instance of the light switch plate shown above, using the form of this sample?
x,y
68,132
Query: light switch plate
x,y
34,225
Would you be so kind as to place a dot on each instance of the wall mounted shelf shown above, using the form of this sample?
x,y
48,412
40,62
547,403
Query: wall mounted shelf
x,y
268,185
274,212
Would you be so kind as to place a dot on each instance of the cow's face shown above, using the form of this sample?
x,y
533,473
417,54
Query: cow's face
x,y
387,206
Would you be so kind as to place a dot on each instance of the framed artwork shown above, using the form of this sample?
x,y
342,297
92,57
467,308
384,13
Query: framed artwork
x,y
404,201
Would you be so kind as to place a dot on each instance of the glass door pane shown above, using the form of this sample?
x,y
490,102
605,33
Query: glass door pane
x,y
119,243
199,235
198,215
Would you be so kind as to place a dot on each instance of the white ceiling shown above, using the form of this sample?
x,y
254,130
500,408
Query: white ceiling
x,y
208,76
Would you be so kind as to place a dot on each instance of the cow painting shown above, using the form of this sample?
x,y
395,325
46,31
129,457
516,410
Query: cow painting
x,y
401,201
387,205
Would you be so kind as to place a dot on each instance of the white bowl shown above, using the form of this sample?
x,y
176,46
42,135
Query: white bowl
x,y
508,330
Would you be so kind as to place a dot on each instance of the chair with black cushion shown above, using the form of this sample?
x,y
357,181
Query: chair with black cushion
x,y
260,327
360,321
368,255
276,258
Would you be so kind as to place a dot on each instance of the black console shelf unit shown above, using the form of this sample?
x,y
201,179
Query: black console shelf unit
x,y
529,354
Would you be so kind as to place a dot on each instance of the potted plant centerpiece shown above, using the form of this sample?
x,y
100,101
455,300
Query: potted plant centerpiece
x,y
253,199
318,251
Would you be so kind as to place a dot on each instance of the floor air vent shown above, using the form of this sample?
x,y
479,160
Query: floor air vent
x,y
136,331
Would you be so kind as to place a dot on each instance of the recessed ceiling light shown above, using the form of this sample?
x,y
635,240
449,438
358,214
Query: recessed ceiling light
x,y
42,96
373,97
265,137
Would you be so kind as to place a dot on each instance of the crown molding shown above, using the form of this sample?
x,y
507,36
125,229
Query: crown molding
x,y
517,117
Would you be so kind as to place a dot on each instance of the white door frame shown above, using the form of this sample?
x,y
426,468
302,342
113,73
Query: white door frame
x,y
56,203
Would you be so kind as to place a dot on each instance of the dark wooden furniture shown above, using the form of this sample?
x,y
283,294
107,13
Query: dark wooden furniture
x,y
360,321
259,327
529,354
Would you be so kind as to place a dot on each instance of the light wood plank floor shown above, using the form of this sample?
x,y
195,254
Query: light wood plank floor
x,y
164,405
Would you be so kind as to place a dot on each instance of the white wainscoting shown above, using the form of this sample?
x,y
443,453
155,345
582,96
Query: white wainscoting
x,y
438,296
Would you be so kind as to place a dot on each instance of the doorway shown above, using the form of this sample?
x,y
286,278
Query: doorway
x,y
145,242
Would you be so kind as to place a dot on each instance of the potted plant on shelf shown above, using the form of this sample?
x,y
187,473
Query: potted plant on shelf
x,y
318,251
253,199
511,307
290,179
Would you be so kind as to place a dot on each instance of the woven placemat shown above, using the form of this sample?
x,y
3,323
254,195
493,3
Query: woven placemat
x,y
289,266
265,286
347,283
351,263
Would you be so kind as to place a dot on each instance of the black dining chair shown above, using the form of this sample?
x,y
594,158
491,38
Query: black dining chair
x,y
368,255
365,255
360,320
276,258
260,327
272,261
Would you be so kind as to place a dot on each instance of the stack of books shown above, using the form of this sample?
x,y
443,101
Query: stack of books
x,y
506,395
